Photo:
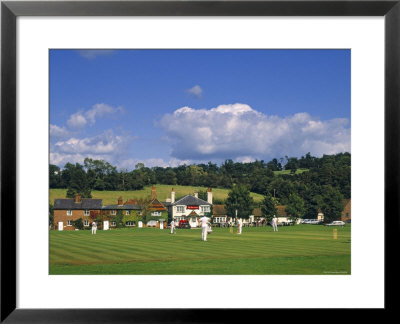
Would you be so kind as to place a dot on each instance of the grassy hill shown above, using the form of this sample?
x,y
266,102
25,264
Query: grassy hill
x,y
163,192
288,171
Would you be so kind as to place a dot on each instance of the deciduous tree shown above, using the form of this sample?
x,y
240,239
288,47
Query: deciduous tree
x,y
239,199
268,209
295,207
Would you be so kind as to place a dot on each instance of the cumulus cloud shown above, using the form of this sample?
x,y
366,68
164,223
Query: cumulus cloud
x,y
92,54
81,118
57,131
61,159
105,143
106,146
77,120
153,162
100,110
196,91
239,132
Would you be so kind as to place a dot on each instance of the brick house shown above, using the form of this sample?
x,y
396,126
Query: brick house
x,y
128,211
68,210
157,212
346,213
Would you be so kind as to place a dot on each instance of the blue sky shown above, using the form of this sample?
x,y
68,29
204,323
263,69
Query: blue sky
x,y
169,107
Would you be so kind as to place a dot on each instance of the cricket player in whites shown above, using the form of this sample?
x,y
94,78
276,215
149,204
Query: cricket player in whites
x,y
94,228
274,224
204,227
173,227
240,225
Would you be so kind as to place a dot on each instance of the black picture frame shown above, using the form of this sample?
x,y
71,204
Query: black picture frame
x,y
10,10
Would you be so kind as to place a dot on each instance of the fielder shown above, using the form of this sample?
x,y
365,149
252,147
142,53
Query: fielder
x,y
240,225
204,227
94,227
173,228
274,224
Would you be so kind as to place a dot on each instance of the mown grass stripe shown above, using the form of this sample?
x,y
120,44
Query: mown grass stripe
x,y
136,249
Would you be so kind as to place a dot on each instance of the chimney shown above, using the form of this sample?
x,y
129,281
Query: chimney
x,y
172,196
78,198
120,201
153,193
196,194
209,196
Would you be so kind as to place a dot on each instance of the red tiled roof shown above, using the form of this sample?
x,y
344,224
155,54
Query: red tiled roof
x,y
130,202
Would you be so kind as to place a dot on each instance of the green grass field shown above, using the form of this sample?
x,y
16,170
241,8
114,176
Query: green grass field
x,y
163,192
300,249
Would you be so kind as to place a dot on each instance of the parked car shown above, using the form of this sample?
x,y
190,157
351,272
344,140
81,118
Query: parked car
x,y
314,222
183,223
336,223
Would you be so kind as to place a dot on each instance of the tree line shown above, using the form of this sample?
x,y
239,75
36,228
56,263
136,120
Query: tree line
x,y
327,179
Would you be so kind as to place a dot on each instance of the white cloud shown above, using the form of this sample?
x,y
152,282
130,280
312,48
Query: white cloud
x,y
100,110
105,143
57,131
61,159
106,146
239,132
81,118
196,91
77,120
92,54
152,162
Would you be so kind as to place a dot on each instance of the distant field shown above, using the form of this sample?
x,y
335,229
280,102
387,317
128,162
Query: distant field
x,y
163,192
300,249
288,171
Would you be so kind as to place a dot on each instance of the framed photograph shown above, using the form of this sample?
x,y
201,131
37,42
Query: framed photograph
x,y
189,160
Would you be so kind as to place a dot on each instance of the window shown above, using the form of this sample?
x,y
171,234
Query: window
x,y
130,223
86,212
113,223
347,215
69,212
86,222
128,212
156,213
180,209
205,209
69,223
113,212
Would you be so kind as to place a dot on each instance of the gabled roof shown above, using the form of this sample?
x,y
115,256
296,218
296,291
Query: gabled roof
x,y
121,207
193,213
69,203
156,205
189,200
346,201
